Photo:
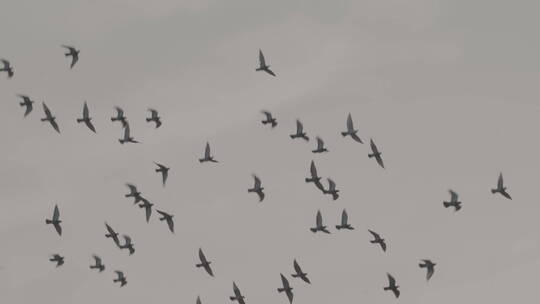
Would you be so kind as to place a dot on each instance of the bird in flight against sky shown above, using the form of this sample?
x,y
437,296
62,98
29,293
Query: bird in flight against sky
x,y
299,273
86,118
375,153
147,208
430,267
98,263
299,131
286,288
164,172
112,234
6,68
128,245
237,295
121,278
204,263
314,177
133,192
127,137
257,188
73,53
501,188
168,218
351,131
378,240
320,146
319,224
50,118
119,116
55,221
207,155
27,102
453,201
154,117
392,285
332,189
344,222
58,259
263,66
269,119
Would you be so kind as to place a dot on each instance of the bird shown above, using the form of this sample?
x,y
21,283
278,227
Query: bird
x,y
257,188
299,131
351,131
378,240
237,295
319,224
164,172
168,218
332,189
127,137
86,118
269,119
148,208
299,273
501,188
453,201
119,116
286,288
7,68
120,278
263,66
27,102
50,118
133,192
320,146
344,222
112,234
392,285
55,220
58,259
430,267
128,245
204,263
154,117
314,177
98,264
375,153
207,156
74,53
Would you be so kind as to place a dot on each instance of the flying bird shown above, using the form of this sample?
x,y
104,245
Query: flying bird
x,y
453,201
320,146
86,118
257,188
392,285
375,153
27,102
74,53
204,263
168,218
332,189
50,118
344,222
378,240
98,264
128,245
319,224
430,267
120,278
119,116
55,220
351,131
299,131
133,192
237,295
263,66
127,137
58,259
164,172
286,288
147,207
7,68
269,119
314,177
299,273
501,188
112,234
154,117
207,155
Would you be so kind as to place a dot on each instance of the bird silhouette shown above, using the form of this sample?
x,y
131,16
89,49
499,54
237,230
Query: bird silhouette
x,y
378,240
375,153
351,131
286,288
6,68
119,116
168,218
58,259
237,295
98,263
207,155
86,118
74,53
313,171
332,189
269,119
154,117
121,278
257,188
430,267
133,192
453,201
263,66
204,263
299,273
392,285
299,131
319,224
164,172
147,207
344,222
112,234
501,188
27,102
55,221
127,137
320,146
50,118
128,244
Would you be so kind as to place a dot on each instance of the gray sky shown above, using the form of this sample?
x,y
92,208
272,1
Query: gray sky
x,y
445,88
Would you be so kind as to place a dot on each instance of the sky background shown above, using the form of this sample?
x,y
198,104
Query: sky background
x,y
448,90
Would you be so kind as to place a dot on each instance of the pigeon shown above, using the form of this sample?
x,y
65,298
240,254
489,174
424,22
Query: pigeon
x,y
50,118
120,278
501,188
207,156
453,201
299,273
430,267
168,218
27,102
55,220
237,295
133,192
375,153
319,224
344,222
204,263
351,131
299,131
392,285
378,240
257,188
128,245
286,288
164,172
314,177
332,189
263,66
86,118
58,259
74,53
269,119
112,234
154,117
119,116
7,68
148,208
99,265
127,137
320,146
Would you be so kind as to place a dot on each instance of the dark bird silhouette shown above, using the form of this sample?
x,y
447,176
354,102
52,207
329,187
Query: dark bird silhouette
x,y
350,130
55,220
128,245
299,131
501,188
263,66
286,288
74,53
168,218
344,222
319,224
120,277
332,189
207,155
453,201
58,259
377,240
164,172
27,102
269,119
320,146
119,116
237,295
375,153
257,188
50,118
98,264
86,118
133,192
147,207
112,234
299,273
127,137
430,267
154,117
7,68
392,285
204,263
313,171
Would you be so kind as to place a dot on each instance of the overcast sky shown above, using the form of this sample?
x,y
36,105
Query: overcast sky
x,y
447,89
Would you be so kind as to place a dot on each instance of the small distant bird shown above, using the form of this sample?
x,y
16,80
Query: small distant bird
x,y
127,137
27,102
86,118
263,66
378,240
299,273
168,218
74,53
332,189
430,267
204,263
392,285
7,68
320,146
50,118
453,201
55,220
299,131
286,288
112,234
257,188
164,172
501,188
154,117
269,119
344,222
128,245
58,259
147,207
207,155
319,224
98,265
375,153
119,116
237,295
120,278
351,131
133,192
313,171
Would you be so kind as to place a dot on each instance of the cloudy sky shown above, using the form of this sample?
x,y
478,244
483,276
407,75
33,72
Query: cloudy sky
x,y
447,90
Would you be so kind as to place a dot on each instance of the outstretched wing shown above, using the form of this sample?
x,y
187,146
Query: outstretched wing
x,y
344,217
284,281
90,125
375,234
56,213
313,169
373,146
500,182
391,280
257,181
119,112
318,219
453,196
207,150
97,259
85,111
126,132
120,274
262,62
320,143
331,185
268,115
299,127
350,127
6,63
46,110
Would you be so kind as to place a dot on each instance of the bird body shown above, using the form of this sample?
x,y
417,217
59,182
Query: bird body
x,y
58,259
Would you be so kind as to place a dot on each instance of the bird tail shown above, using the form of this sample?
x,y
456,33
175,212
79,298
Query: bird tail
x,y
294,275
293,136
48,222
447,204
387,288
338,227
251,190
313,230
422,265
370,155
122,141
198,265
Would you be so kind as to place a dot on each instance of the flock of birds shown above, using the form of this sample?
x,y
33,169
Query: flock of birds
x,y
257,188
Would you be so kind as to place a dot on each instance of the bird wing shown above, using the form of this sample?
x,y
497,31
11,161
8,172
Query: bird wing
x,y
120,274
331,185
320,143
148,210
54,125
29,108
453,196
500,182
70,48
299,127
202,257
207,150
379,160
373,146
170,223
208,269
257,182
375,234
56,213
97,259
313,169
391,280
126,131
318,219
297,267
284,281
267,70
74,59
198,300
85,111
153,112
132,188
344,217
268,115
5,63
430,271
262,62
128,240
289,294
119,112
356,138
46,110
90,125
350,127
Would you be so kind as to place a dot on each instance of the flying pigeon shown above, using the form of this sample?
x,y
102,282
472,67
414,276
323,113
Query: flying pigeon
x,y
128,245
332,189
119,116
263,66
351,131
168,218
27,102
98,265
286,288
378,240
58,259
50,118
164,172
237,295
501,188
430,267
204,263
86,118
344,222
148,208
375,153
74,53
320,146
120,278
319,224
127,137
55,220
269,119
133,192
392,285
257,188
7,68
453,201
299,131
299,273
